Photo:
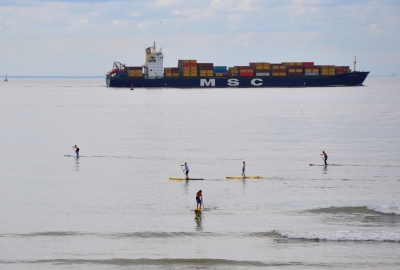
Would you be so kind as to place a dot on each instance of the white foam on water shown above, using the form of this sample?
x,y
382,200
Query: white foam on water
x,y
386,209
344,235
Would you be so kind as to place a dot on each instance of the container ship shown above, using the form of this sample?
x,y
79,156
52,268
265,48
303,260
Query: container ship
x,y
192,74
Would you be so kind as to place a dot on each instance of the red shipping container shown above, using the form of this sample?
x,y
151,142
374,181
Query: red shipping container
x,y
307,63
134,68
189,64
246,74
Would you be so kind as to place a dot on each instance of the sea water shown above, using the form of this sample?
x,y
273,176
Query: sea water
x,y
114,207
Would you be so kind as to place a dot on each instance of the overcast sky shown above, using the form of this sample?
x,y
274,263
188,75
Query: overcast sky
x,y
84,38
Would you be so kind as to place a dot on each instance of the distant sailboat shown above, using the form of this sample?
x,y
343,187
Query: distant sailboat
x,y
6,79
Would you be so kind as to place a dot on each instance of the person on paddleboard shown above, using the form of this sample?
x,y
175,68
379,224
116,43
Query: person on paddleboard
x,y
199,199
186,170
325,157
76,148
244,169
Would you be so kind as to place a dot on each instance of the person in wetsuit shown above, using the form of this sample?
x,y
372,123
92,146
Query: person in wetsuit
x,y
325,156
76,148
244,170
199,199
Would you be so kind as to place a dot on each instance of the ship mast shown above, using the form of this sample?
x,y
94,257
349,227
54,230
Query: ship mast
x,y
355,62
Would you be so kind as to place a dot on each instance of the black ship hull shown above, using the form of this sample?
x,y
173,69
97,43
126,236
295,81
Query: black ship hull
x,y
346,79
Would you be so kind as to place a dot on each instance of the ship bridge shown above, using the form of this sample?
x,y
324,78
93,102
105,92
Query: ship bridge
x,y
154,67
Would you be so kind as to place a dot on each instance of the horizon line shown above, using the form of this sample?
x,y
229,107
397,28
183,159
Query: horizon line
x,y
53,76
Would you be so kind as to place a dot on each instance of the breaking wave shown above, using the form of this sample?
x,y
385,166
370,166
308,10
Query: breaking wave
x,y
357,210
381,236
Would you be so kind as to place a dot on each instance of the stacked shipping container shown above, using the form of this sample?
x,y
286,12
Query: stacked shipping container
x,y
220,71
278,70
327,70
205,69
171,72
245,71
342,69
261,68
233,71
187,68
190,68
294,68
311,70
135,71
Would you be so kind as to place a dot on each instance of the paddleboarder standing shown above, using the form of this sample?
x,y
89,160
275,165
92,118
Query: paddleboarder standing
x,y
325,157
244,169
199,199
186,170
76,148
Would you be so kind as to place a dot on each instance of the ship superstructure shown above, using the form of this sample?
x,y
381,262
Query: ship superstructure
x,y
153,66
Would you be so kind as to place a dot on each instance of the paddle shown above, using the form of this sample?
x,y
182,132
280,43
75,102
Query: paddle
x,y
183,170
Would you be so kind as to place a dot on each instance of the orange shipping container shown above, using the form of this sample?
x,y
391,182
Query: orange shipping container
x,y
187,61
278,67
292,70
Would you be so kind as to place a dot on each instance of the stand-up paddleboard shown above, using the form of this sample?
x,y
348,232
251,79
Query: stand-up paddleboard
x,y
181,178
325,165
198,211
241,177
72,156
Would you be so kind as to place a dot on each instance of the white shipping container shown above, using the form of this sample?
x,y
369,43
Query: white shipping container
x,y
311,73
262,74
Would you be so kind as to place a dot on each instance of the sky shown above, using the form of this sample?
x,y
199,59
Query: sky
x,y
84,38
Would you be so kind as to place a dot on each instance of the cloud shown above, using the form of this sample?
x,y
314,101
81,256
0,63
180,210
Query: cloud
x,y
233,5
234,20
166,3
134,13
213,30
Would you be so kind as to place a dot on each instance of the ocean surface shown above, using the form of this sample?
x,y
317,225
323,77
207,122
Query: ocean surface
x,y
115,208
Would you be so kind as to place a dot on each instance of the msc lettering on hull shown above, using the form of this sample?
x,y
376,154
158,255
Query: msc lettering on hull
x,y
205,82
230,82
257,82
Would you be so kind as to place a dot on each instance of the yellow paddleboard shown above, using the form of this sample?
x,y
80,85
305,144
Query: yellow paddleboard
x,y
198,210
247,177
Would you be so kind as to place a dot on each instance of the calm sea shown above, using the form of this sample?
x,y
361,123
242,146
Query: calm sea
x,y
115,208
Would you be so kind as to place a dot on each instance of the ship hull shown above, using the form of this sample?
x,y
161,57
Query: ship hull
x,y
347,79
